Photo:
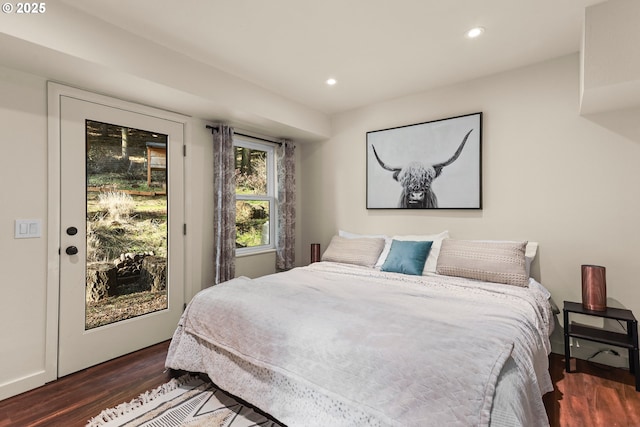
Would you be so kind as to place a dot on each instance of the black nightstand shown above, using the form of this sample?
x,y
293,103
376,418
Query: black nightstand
x,y
628,340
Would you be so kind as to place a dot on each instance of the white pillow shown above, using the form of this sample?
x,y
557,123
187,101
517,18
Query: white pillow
x,y
432,259
348,235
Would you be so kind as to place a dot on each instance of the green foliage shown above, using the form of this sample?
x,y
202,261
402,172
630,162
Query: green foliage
x,y
251,217
250,237
125,181
251,179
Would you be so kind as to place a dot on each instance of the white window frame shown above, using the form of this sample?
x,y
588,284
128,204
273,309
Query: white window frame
x,y
269,148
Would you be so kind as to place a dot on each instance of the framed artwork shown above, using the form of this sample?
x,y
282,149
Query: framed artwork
x,y
432,165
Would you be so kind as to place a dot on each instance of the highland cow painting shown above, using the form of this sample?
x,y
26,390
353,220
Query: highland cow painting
x,y
432,165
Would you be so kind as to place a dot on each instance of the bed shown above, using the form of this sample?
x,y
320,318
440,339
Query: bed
x,y
363,342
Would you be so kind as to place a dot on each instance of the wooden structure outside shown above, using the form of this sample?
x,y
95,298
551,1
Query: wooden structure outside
x,y
156,158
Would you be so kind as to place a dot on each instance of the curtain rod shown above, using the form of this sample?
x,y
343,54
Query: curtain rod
x,y
248,136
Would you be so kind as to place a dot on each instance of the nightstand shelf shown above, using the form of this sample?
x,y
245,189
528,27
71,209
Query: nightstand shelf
x,y
599,335
628,340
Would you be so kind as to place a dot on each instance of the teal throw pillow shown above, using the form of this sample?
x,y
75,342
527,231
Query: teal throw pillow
x,y
407,257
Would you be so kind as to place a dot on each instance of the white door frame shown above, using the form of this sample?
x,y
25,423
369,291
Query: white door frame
x,y
54,92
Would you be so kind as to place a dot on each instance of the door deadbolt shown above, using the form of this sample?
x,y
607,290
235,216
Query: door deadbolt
x,y
72,231
71,250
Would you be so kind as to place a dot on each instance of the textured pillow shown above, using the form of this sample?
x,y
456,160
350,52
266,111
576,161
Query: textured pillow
x,y
499,262
365,251
529,253
432,259
407,257
387,242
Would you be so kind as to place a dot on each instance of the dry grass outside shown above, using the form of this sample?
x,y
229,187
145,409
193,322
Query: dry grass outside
x,y
122,307
122,223
117,204
108,239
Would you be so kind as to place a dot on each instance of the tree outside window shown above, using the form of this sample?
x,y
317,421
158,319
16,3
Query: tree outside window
x,y
255,199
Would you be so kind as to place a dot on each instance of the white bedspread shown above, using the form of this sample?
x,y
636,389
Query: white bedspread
x,y
393,349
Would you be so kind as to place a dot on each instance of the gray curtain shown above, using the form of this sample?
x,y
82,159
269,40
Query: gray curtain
x,y
224,225
285,247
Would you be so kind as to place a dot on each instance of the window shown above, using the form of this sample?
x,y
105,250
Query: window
x,y
255,195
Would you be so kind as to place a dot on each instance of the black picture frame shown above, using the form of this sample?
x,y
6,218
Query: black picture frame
x,y
430,165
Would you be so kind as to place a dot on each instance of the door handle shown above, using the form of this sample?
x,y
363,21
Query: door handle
x,y
71,250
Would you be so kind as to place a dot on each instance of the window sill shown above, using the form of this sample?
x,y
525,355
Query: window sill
x,y
256,252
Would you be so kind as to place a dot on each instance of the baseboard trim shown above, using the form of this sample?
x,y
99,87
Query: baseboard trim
x,y
22,384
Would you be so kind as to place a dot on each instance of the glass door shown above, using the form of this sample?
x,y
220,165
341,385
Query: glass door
x,y
121,261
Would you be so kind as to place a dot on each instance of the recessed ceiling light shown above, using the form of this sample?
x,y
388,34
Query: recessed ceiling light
x,y
331,82
475,32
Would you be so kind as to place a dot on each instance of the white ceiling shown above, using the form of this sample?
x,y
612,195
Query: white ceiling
x,y
376,49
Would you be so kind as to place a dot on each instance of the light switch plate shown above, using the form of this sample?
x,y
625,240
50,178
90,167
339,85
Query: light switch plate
x,y
28,228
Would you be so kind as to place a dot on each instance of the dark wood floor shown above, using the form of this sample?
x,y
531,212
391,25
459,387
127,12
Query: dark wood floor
x,y
594,395
74,399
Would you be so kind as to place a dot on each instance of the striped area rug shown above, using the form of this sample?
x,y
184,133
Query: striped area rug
x,y
185,401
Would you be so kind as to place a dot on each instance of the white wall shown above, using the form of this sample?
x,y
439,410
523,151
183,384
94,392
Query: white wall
x,y
610,57
199,271
549,175
23,263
